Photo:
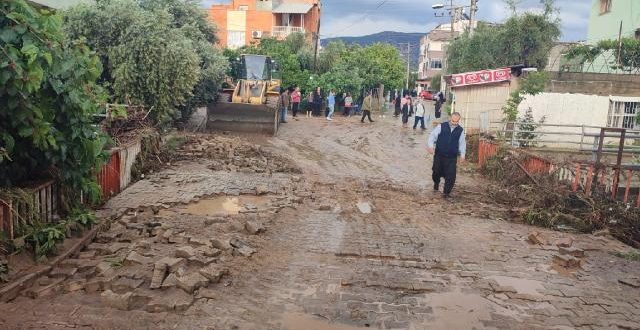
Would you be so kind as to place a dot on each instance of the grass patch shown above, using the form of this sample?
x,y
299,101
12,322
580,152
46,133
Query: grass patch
x,y
632,255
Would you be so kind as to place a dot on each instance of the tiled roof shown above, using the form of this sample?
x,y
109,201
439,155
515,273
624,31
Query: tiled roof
x,y
291,7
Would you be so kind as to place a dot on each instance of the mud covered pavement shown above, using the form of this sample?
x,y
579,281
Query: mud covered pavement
x,y
328,226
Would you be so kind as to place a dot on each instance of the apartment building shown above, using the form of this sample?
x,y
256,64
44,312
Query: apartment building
x,y
242,22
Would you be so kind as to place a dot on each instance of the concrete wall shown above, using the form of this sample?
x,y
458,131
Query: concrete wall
x,y
473,101
567,109
602,84
604,26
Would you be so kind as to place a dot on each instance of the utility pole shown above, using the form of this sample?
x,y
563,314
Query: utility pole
x,y
408,63
453,14
619,43
315,51
472,11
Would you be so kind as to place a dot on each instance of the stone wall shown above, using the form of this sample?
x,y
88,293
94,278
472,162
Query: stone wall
x,y
602,84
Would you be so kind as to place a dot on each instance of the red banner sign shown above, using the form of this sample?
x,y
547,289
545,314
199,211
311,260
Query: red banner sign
x,y
480,77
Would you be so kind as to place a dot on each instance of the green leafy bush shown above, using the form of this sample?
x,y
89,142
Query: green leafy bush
x,y
156,52
48,94
43,239
521,39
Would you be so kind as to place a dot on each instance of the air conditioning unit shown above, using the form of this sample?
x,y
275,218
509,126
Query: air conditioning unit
x,y
256,34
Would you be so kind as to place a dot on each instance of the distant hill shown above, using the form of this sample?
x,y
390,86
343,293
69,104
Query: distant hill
x,y
397,39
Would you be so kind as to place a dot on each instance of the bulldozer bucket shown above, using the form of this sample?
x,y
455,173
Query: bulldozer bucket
x,y
242,117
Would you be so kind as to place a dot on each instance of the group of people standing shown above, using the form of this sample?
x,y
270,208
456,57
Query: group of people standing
x,y
292,97
407,106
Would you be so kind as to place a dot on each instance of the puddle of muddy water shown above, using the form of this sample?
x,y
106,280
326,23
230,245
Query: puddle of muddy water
x,y
225,205
521,285
457,310
298,321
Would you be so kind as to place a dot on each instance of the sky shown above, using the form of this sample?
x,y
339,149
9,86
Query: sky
x,y
341,18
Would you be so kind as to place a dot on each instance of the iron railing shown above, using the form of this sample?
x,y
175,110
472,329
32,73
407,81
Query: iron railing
x,y
281,32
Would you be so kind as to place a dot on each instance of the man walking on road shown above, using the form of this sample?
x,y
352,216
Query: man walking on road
x,y
366,107
284,105
450,143
420,112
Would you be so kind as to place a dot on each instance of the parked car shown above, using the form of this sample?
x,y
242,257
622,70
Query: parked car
x,y
427,95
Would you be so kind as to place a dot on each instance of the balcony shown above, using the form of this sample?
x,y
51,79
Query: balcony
x,y
281,32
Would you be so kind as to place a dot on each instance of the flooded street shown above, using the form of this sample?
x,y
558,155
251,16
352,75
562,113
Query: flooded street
x,y
340,231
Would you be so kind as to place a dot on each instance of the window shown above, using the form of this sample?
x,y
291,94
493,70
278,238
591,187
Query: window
x,y
605,6
435,63
235,39
622,114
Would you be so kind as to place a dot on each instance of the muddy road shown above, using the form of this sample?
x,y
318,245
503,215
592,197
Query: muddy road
x,y
330,225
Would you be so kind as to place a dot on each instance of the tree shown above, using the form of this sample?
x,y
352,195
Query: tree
x,y
378,64
156,52
48,94
436,82
193,23
522,39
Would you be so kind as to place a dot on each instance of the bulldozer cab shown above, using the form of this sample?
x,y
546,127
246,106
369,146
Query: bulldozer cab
x,y
256,67
251,106
256,80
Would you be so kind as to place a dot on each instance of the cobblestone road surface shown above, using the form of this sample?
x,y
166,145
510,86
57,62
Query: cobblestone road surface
x,y
357,240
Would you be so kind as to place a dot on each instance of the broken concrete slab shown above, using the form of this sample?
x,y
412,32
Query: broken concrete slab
x,y
173,263
535,237
220,243
125,284
242,247
199,241
170,281
566,261
254,227
170,300
159,273
117,301
134,258
192,282
95,284
208,251
214,272
185,252
74,285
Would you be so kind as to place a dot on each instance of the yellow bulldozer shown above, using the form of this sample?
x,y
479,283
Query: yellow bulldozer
x,y
252,105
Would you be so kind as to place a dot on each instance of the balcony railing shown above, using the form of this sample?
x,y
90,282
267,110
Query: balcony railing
x,y
281,32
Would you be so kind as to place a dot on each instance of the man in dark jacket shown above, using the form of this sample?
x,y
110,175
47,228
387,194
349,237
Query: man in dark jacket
x,y
317,102
449,140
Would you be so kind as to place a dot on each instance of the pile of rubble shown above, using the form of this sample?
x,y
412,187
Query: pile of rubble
x,y
543,200
233,154
160,260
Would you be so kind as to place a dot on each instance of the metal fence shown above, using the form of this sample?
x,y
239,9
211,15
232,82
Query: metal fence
x,y
622,182
582,137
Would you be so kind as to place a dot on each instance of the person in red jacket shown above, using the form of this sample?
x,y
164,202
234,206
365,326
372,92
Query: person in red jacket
x,y
295,101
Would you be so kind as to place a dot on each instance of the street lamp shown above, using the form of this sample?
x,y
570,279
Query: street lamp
x,y
456,11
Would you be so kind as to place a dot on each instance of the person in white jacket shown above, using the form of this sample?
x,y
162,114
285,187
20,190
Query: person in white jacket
x,y
420,113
